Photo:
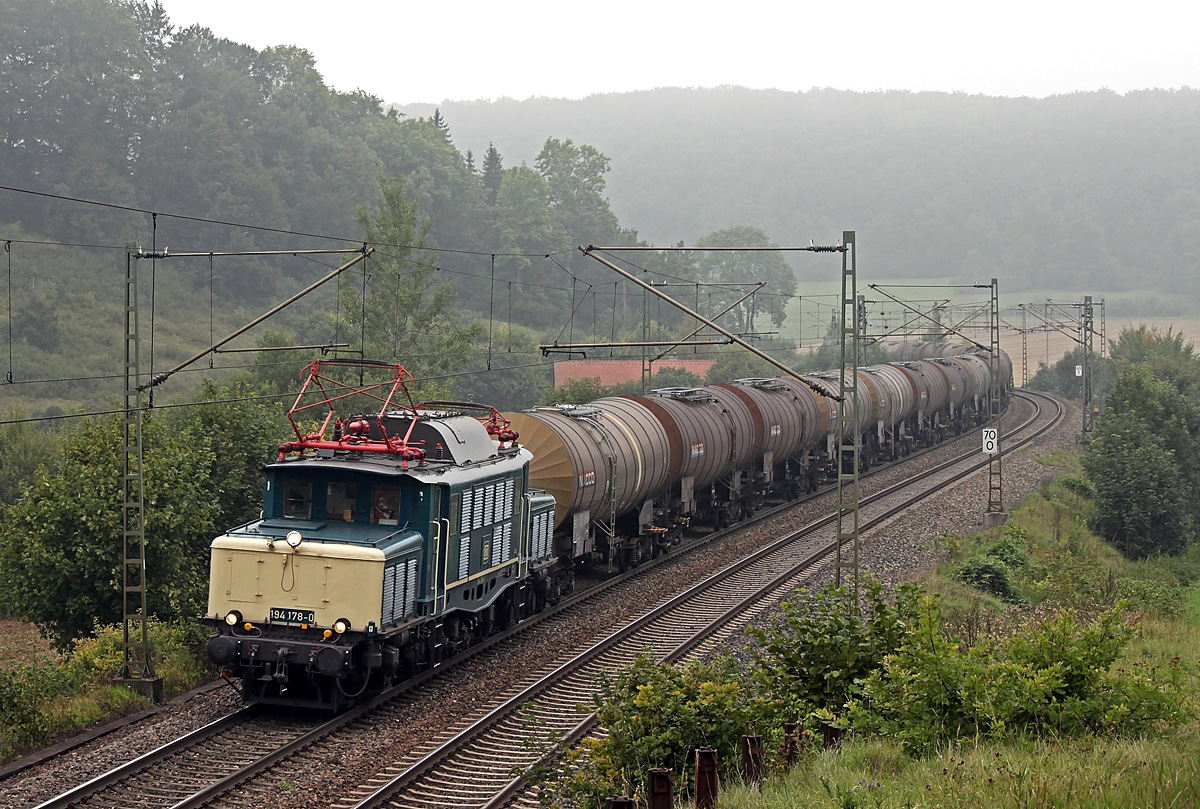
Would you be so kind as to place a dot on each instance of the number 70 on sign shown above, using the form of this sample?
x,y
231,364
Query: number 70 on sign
x,y
991,440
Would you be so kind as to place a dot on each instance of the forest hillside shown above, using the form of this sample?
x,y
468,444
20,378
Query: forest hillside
x,y
1092,191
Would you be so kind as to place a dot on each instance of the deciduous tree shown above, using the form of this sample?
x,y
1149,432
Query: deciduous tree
x,y
402,312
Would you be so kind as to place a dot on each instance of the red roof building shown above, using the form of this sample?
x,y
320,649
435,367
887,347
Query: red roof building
x,y
615,372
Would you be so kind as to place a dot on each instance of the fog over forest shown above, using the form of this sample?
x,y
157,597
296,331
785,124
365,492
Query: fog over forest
x,y
121,126
1087,192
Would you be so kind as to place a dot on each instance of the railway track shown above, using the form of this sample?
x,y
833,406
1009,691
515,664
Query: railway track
x,y
474,768
478,760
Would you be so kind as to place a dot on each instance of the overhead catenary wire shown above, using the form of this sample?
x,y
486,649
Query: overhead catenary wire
x,y
154,214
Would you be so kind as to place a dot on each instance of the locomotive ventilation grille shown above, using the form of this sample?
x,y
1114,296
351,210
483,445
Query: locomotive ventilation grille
x,y
399,590
543,530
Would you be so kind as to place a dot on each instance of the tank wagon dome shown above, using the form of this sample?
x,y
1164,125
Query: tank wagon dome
x,y
868,404
608,455
745,420
909,350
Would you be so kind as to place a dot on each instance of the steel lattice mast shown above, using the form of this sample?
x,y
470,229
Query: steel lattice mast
x,y
848,436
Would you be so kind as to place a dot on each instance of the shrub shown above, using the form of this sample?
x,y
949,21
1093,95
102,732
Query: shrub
x,y
991,575
656,715
1055,678
1077,485
819,645
42,701
176,647
26,694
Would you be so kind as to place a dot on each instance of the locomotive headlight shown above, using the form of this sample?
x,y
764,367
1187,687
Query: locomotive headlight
x,y
340,626
233,617
294,539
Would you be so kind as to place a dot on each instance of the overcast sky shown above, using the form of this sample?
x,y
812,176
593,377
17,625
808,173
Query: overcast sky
x,y
429,51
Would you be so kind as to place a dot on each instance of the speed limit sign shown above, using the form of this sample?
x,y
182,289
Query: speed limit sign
x,y
991,440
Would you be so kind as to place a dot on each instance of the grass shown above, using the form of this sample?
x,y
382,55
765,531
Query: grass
x,y
1072,774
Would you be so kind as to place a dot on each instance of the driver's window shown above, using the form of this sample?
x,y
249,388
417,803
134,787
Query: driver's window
x,y
385,505
297,500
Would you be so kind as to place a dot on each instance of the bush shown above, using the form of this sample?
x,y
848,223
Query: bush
x,y
40,702
1052,679
26,694
656,715
991,575
819,646
1077,485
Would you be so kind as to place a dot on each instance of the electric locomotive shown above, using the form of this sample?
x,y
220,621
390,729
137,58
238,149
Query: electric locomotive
x,y
387,543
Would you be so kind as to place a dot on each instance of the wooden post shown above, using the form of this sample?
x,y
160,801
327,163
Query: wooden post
x,y
789,743
706,778
660,790
831,737
752,760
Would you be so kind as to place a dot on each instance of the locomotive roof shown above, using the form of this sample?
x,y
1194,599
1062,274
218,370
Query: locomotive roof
x,y
432,471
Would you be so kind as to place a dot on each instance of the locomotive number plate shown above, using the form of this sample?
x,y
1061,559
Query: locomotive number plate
x,y
291,616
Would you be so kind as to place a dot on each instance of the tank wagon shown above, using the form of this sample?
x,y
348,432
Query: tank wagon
x,y
389,542
630,473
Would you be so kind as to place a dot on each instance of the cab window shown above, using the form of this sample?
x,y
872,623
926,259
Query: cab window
x,y
297,500
340,501
385,505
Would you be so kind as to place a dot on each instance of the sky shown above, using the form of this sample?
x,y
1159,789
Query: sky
x,y
409,52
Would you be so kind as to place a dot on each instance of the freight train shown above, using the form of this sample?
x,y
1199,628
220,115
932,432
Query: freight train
x,y
389,542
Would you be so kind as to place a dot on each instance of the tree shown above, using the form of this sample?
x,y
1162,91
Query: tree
x,y
529,230
60,545
736,362
735,272
1143,459
406,316
24,448
518,378
577,391
663,377
575,182
1141,498
276,373
493,171
1165,353
60,550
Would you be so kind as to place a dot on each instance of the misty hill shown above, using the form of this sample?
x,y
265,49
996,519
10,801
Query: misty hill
x,y
1087,192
